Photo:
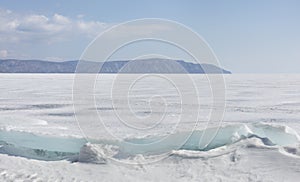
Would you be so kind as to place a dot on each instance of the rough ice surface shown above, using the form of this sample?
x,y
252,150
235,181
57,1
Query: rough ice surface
x,y
49,148
257,140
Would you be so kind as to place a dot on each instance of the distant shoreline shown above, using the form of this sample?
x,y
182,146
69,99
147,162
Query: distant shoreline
x,y
151,66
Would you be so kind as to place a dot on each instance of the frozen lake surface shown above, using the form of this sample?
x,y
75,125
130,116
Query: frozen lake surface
x,y
157,130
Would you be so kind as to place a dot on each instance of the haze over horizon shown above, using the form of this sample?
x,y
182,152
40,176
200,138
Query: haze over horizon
x,y
247,37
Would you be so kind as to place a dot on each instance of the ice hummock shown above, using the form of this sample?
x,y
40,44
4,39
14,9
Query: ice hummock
x,y
44,147
37,146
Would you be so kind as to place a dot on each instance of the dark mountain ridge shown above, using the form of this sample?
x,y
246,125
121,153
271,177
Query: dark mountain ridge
x,y
153,65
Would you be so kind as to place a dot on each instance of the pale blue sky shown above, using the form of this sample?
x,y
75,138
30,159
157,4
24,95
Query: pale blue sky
x,y
261,36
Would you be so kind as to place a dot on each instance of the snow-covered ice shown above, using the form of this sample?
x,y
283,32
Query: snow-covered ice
x,y
40,139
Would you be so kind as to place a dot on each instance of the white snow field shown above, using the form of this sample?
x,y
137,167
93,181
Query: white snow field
x,y
158,130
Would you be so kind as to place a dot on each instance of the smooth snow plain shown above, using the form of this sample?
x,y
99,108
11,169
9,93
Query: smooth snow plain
x,y
150,133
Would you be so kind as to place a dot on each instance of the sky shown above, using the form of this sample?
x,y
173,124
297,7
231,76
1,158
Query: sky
x,y
257,36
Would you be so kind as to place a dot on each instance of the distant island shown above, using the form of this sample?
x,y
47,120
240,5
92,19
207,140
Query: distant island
x,y
153,65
